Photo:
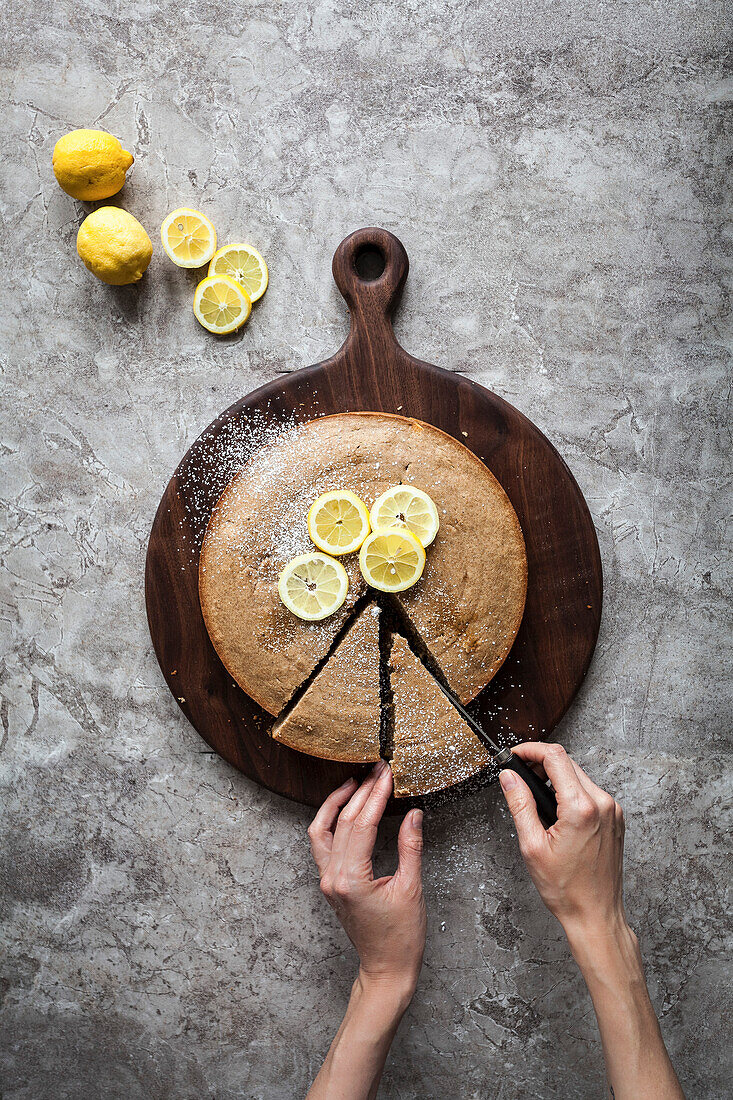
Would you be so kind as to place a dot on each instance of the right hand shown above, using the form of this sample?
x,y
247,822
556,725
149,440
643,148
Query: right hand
x,y
577,864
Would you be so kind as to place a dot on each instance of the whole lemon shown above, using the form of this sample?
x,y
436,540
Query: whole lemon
x,y
114,246
90,164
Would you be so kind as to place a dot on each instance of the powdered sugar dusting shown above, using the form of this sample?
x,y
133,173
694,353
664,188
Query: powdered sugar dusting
x,y
221,453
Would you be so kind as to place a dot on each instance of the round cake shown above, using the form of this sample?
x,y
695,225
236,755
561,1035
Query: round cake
x,y
467,606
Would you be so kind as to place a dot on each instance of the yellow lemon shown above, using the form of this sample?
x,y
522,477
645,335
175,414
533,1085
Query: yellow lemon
x,y
245,265
114,246
220,304
338,522
313,586
391,559
407,506
188,237
90,164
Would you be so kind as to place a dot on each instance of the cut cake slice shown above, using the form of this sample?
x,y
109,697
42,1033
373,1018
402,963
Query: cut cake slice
x,y
433,748
338,716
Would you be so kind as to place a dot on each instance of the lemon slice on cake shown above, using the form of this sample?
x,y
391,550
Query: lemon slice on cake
x,y
188,237
220,304
407,506
245,265
313,586
338,522
391,559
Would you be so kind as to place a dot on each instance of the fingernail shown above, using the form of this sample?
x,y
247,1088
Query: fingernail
x,y
348,783
507,779
417,819
382,767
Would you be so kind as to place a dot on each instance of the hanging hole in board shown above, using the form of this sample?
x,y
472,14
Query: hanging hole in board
x,y
369,263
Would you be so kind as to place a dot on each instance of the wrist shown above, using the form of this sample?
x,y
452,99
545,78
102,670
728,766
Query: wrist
x,y
389,994
607,953
600,929
356,1058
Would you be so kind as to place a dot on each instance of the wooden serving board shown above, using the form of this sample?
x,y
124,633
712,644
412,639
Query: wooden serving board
x,y
371,372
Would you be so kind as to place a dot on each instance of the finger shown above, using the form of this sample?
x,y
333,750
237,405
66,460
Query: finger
x,y
588,784
560,771
528,751
358,857
320,830
585,781
409,849
349,814
606,805
523,808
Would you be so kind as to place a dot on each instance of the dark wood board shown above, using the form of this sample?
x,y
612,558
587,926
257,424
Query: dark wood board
x,y
371,372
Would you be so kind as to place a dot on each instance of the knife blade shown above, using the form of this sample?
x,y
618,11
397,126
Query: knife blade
x,y
542,791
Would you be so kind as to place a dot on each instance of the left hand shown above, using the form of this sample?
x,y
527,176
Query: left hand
x,y
384,918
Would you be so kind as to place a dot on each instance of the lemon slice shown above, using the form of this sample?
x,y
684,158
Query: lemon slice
x,y
245,265
188,237
220,304
406,506
391,559
338,522
313,586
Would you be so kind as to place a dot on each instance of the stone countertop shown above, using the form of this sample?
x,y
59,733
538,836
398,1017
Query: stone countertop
x,y
556,171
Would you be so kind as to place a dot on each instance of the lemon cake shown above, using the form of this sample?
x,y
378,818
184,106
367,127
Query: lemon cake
x,y
433,748
338,716
467,606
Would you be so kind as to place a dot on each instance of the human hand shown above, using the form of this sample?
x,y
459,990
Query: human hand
x,y
577,864
384,918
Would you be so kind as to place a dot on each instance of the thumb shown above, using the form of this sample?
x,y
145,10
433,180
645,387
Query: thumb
x,y
409,848
523,809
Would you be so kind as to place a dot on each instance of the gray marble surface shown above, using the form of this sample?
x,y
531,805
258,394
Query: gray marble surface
x,y
556,171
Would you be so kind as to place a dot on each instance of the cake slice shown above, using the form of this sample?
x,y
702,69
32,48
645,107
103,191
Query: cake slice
x,y
433,748
338,716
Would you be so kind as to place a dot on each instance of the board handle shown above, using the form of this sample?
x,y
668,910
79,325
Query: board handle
x,y
370,268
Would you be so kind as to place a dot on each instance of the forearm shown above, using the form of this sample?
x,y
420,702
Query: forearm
x,y
353,1067
637,1063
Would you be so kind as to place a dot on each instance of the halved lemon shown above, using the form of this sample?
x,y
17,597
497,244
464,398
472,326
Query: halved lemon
x,y
407,506
245,265
313,586
220,304
188,237
338,522
391,559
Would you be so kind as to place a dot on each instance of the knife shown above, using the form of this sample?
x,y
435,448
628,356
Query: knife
x,y
543,793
